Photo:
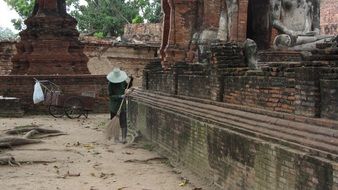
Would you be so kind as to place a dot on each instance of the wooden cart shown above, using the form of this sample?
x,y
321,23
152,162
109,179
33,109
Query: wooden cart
x,y
71,105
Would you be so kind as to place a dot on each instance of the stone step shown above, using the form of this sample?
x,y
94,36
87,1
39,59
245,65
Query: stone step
x,y
10,107
239,109
279,63
316,148
262,120
319,140
320,122
286,56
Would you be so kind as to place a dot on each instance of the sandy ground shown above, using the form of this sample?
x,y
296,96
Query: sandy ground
x,y
84,160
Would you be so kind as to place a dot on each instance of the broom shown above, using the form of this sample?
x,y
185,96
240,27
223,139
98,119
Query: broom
x,y
113,127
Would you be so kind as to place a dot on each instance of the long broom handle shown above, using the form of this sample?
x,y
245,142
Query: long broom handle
x,y
119,110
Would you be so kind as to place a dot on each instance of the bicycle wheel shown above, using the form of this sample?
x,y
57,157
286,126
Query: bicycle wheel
x,y
56,111
73,107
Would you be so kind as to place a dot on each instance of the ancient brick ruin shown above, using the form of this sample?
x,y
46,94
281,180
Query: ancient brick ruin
x,y
7,50
149,33
244,119
239,118
102,56
50,43
329,17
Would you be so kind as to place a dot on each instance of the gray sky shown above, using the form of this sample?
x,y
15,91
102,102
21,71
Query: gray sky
x,y
6,15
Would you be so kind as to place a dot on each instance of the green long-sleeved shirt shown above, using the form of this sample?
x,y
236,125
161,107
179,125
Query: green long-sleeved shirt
x,y
115,91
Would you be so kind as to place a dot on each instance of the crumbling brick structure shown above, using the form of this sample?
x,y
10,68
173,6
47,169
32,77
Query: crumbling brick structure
x,y
190,26
50,43
149,33
329,17
271,126
7,50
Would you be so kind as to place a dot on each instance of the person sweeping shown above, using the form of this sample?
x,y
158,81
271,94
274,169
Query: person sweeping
x,y
118,88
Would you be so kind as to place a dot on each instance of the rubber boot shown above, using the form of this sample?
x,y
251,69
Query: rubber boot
x,y
124,135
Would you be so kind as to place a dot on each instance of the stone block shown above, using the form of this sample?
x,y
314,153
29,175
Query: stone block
x,y
10,107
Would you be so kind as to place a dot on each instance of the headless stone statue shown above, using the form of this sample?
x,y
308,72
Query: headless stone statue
x,y
250,52
298,23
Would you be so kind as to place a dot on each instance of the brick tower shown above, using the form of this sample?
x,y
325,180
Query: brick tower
x,y
50,45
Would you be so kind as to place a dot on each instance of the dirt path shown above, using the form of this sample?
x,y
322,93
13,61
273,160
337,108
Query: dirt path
x,y
84,160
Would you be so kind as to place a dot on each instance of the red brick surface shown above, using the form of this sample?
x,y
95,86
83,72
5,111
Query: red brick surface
x,y
238,149
49,44
329,17
103,57
22,87
185,18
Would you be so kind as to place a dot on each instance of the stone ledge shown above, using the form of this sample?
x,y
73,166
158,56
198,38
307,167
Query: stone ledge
x,y
10,107
327,123
315,140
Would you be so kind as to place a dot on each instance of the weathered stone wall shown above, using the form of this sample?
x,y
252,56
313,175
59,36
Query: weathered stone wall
x,y
273,93
190,26
329,98
10,107
190,79
131,58
289,86
23,86
7,50
103,57
146,33
329,17
246,129
224,149
49,44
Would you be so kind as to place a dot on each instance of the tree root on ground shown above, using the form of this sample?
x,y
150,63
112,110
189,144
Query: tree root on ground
x,y
10,141
30,135
53,150
21,130
8,160
146,161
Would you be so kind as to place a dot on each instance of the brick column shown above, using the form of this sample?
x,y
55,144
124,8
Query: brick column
x,y
223,56
152,66
182,22
216,83
329,102
307,96
177,69
242,19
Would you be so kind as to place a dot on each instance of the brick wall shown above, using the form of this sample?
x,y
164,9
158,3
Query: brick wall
x,y
329,17
289,85
7,50
22,87
131,58
229,159
103,57
190,78
329,94
187,19
148,33
272,93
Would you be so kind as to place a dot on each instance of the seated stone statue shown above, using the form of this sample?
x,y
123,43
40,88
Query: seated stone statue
x,y
301,43
298,23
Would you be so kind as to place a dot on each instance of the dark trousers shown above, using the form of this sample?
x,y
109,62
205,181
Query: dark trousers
x,y
123,118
